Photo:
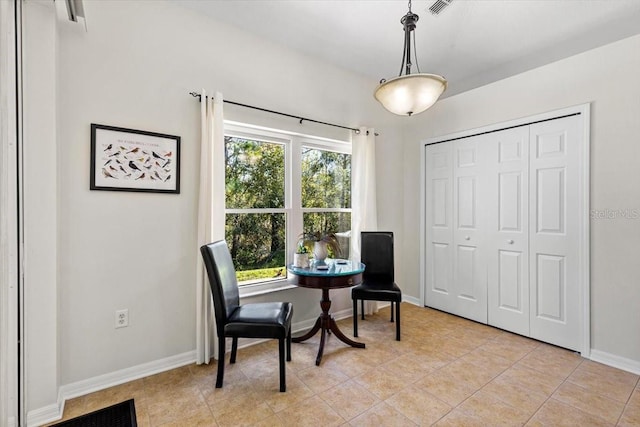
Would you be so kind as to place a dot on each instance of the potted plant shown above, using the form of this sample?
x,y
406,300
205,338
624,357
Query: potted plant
x,y
323,242
301,256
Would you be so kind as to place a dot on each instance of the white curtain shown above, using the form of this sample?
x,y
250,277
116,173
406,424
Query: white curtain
x,y
364,216
210,216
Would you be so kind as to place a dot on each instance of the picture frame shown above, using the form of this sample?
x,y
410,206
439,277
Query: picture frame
x,y
134,160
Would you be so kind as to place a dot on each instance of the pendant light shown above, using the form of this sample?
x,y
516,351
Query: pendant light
x,y
410,94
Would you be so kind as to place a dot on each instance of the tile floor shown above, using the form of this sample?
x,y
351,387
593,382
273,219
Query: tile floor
x,y
445,371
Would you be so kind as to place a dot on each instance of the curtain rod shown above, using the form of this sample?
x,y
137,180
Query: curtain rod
x,y
507,128
357,131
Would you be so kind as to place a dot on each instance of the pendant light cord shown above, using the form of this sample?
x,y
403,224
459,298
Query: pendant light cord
x,y
408,21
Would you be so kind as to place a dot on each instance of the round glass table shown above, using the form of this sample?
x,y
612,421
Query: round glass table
x,y
332,274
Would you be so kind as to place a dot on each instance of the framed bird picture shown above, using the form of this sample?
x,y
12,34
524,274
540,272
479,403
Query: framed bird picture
x,y
134,160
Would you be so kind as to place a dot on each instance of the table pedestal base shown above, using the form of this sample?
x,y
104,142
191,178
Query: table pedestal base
x,y
326,324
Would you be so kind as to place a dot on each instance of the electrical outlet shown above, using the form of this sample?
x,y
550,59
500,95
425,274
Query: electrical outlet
x,y
122,318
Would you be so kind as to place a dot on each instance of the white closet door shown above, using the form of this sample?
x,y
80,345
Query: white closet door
x,y
438,217
555,197
507,201
469,263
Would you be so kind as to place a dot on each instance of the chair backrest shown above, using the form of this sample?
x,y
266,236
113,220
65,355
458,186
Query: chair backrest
x,y
222,279
376,252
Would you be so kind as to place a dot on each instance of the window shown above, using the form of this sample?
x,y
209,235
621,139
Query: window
x,y
277,185
255,202
326,194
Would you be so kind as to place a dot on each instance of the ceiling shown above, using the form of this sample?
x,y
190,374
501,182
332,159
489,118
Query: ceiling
x,y
471,42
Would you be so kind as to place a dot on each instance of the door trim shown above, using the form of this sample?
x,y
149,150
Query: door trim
x,y
11,391
584,110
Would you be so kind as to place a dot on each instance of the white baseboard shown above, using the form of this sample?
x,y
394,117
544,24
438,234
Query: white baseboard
x,y
122,376
80,388
307,324
45,415
342,314
412,300
54,412
302,326
296,328
619,362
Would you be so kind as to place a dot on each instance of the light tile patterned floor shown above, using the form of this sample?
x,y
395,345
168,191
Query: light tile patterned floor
x,y
445,371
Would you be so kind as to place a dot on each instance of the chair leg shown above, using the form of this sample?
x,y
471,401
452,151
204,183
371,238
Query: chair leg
x,y
283,382
355,317
221,351
234,349
391,320
362,308
398,321
289,345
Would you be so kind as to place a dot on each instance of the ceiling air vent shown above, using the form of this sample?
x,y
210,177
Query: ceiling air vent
x,y
438,6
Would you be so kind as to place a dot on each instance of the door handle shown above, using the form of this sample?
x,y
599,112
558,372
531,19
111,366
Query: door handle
x,y
510,241
467,238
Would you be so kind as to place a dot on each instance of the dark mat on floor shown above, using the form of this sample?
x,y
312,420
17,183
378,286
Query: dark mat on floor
x,y
119,415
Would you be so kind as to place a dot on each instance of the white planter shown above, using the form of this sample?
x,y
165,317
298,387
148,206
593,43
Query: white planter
x,y
301,260
320,251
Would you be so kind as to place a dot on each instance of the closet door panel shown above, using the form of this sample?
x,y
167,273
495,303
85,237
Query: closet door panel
x,y
551,200
469,264
555,239
466,202
507,154
466,272
507,229
441,272
439,227
510,201
510,282
551,288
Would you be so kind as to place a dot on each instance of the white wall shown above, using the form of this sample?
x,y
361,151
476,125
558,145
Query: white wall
x,y
606,77
134,68
40,209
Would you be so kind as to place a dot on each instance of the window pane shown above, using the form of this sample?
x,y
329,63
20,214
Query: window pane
x,y
338,223
326,179
254,174
257,245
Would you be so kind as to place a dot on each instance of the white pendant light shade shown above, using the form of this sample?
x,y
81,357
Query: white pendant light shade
x,y
410,94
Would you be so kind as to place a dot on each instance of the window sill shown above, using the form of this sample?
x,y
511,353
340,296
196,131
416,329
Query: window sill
x,y
263,288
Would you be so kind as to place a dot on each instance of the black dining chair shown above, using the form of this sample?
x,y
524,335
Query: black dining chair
x,y
376,252
257,320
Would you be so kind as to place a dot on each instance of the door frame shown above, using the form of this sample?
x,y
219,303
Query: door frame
x,y
11,392
584,111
